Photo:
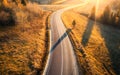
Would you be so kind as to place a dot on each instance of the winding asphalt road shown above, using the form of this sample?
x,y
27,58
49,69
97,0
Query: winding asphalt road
x,y
62,60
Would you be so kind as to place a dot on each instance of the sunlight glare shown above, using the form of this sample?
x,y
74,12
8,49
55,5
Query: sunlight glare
x,y
97,7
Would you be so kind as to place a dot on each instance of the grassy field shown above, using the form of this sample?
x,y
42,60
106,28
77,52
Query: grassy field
x,y
24,43
57,1
97,46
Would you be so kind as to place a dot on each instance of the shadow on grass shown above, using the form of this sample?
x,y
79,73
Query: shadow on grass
x,y
88,30
111,38
112,41
60,40
87,33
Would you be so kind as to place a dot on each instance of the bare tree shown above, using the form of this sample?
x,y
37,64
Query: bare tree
x,y
92,14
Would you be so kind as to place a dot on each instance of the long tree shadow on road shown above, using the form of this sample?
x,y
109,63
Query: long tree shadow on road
x,y
60,40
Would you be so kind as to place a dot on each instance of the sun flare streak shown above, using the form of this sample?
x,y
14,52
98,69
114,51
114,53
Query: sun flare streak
x,y
97,7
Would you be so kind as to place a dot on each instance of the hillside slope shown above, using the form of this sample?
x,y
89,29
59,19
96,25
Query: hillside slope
x,y
23,39
96,45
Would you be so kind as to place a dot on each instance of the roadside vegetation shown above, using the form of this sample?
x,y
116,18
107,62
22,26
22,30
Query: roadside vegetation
x,y
110,15
23,38
57,1
96,45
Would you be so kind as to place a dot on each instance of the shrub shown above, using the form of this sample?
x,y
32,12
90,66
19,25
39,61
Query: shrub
x,y
6,17
24,2
105,18
92,15
111,17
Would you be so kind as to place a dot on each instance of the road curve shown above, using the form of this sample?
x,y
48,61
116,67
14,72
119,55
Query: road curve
x,y
62,60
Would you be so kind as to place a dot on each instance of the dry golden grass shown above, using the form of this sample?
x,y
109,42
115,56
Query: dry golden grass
x,y
58,1
23,46
96,46
53,7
